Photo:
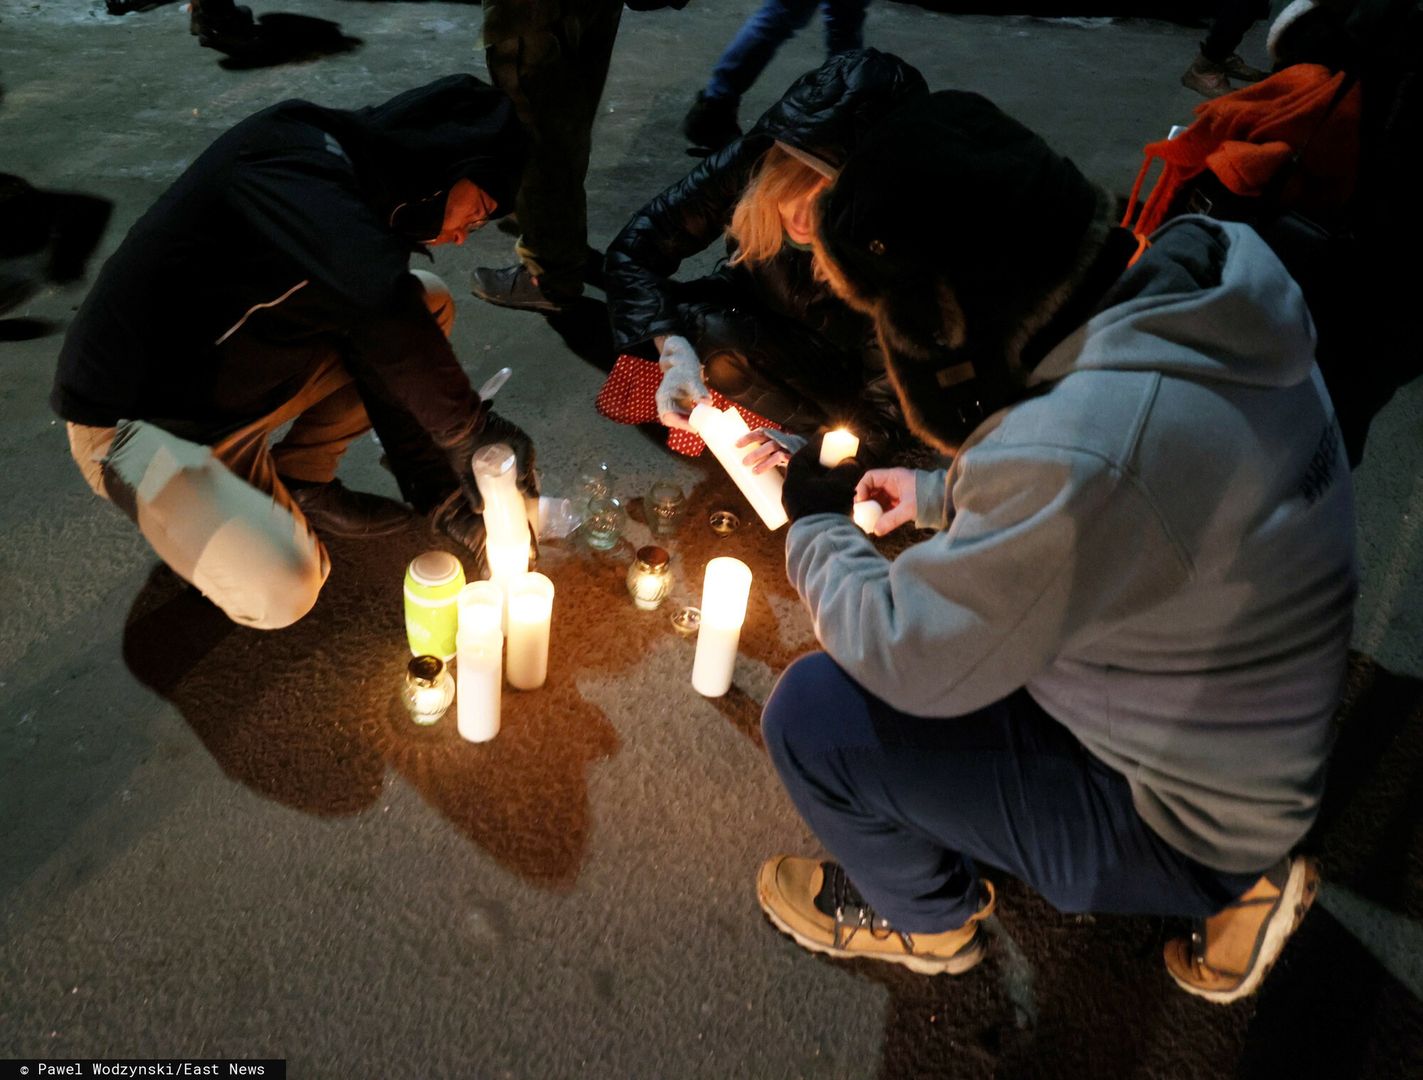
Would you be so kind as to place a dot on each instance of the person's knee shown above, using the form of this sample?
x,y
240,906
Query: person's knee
x,y
793,715
280,599
438,298
259,581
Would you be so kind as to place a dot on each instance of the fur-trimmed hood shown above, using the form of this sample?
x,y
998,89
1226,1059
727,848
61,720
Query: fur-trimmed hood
x,y
962,233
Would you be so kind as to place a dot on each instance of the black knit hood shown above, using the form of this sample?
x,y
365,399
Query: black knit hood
x,y
410,150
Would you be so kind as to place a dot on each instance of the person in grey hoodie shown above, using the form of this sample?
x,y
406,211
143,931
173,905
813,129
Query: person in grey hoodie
x,y
1111,670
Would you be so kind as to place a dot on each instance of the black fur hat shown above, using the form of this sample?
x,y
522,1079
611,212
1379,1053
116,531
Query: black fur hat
x,y
955,227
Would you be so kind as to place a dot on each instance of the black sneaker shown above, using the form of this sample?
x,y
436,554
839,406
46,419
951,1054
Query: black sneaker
x,y
336,511
228,28
711,122
515,287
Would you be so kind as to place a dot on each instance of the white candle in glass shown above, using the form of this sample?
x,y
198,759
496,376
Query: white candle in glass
x,y
530,621
725,590
479,661
867,514
836,446
506,519
720,430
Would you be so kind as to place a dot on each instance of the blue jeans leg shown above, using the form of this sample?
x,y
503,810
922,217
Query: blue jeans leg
x,y
844,25
908,805
754,45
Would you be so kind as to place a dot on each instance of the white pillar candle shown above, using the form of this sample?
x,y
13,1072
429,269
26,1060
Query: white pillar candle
x,y
867,514
720,430
838,445
530,620
725,590
479,661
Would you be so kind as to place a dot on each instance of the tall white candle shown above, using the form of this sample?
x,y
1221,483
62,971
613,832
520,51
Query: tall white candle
x,y
506,519
720,430
530,620
725,590
479,661
867,514
836,446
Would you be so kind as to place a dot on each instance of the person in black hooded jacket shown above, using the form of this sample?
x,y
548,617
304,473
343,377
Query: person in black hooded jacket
x,y
761,329
271,284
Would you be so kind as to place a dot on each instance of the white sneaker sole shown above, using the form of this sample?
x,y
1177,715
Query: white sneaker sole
x,y
967,957
1295,899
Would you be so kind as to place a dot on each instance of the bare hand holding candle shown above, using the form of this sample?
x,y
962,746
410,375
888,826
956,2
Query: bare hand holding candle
x,y
479,661
721,431
530,620
725,590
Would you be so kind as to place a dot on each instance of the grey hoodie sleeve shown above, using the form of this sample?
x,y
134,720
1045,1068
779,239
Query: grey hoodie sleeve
x,y
931,498
1042,543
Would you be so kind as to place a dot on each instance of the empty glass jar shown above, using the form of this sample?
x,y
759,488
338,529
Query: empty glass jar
x,y
665,504
603,523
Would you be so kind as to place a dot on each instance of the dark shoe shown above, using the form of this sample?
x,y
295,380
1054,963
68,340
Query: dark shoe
x,y
514,287
711,122
1206,78
815,903
1228,955
336,511
232,31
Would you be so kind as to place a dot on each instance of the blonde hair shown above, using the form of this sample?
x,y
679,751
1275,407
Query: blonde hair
x,y
756,222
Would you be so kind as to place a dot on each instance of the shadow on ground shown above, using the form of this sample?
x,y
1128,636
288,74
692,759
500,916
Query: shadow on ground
x,y
309,716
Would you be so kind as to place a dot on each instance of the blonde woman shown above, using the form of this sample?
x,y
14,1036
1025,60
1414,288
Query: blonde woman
x,y
762,329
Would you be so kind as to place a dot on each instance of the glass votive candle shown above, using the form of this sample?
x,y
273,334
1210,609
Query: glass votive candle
x,y
603,523
650,578
666,503
428,691
723,522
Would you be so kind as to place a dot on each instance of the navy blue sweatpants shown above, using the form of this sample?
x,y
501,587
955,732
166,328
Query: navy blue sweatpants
x,y
907,805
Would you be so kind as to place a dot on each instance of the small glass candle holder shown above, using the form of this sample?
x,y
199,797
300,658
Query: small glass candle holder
x,y
429,689
650,578
603,523
666,503
687,620
723,522
595,483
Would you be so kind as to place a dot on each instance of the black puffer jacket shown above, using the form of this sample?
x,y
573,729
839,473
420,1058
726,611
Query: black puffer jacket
x,y
293,232
825,113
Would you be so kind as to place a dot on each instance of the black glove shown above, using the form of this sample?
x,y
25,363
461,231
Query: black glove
x,y
455,519
812,489
493,428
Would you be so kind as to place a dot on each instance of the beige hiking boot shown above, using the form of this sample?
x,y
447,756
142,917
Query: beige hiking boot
x,y
1237,69
1206,78
815,903
1228,955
